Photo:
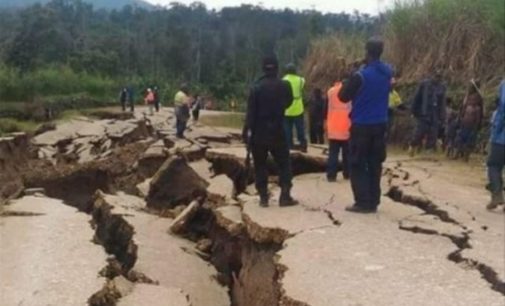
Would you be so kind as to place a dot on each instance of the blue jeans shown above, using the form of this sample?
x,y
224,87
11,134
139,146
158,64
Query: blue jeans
x,y
495,165
299,123
332,166
180,126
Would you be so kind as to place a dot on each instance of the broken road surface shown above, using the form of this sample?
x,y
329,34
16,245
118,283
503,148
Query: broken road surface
x,y
431,243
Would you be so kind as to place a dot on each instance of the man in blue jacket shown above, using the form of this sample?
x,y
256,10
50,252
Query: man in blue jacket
x,y
496,159
368,89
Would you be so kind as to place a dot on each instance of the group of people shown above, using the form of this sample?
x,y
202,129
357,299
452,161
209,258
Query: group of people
x,y
355,115
436,118
185,105
275,107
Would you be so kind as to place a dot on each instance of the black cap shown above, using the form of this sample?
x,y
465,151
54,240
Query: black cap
x,y
270,63
375,47
291,68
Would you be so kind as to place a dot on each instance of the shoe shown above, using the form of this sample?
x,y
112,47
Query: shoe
x,y
346,177
331,179
286,200
496,199
361,210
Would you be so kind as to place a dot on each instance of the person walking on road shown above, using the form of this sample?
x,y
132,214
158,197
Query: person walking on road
x,y
294,114
496,158
317,116
182,102
196,107
156,98
263,131
428,108
149,101
338,125
368,89
126,98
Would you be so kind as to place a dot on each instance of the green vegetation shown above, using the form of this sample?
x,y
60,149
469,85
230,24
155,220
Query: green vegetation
x,y
464,38
67,48
9,125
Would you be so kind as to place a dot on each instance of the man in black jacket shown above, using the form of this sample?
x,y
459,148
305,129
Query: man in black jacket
x,y
264,132
428,108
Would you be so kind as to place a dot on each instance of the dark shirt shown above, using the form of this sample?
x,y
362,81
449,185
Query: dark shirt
x,y
317,110
350,88
267,102
429,102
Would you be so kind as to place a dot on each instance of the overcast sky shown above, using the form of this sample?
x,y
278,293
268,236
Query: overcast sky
x,y
334,6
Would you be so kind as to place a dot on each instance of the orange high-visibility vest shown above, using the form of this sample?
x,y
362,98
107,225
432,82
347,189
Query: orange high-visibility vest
x,y
338,121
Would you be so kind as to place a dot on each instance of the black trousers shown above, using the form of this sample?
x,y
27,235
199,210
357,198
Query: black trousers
x,y
316,133
124,104
196,114
280,154
428,130
367,153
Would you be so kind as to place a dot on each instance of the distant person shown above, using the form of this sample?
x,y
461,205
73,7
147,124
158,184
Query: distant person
x,y
317,116
156,98
395,104
264,134
295,112
126,99
233,105
471,119
196,107
451,127
149,101
496,158
182,102
338,125
428,108
368,89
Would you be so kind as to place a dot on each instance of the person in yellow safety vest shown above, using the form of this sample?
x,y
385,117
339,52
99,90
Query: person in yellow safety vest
x,y
395,103
294,113
338,126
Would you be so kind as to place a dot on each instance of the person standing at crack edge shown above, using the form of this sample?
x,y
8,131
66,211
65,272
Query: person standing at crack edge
x,y
496,159
294,113
368,89
182,103
263,131
338,126
428,108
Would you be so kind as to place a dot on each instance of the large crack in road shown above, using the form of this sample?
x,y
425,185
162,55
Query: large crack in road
x,y
460,240
228,240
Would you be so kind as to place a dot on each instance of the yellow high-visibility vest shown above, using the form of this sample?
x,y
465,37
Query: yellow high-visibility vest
x,y
394,99
297,83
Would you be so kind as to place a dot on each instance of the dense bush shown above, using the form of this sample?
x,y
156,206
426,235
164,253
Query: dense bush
x,y
464,38
44,82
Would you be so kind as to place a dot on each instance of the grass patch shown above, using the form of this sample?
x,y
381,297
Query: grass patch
x,y
228,120
9,125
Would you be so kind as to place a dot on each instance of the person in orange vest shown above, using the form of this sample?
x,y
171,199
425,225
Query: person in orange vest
x,y
338,125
